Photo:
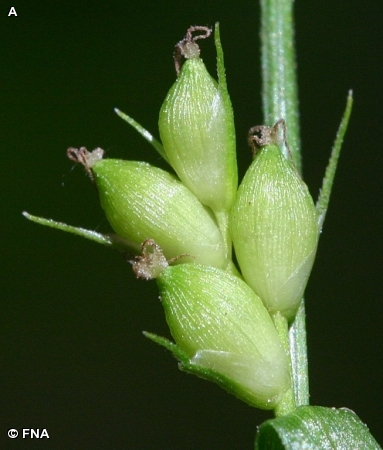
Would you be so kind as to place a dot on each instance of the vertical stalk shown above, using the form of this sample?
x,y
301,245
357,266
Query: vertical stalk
x,y
298,353
279,90
280,101
287,404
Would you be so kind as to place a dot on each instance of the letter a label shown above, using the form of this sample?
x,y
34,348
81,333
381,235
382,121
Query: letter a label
x,y
12,12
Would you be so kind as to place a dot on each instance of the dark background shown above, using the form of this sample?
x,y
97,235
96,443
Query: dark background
x,y
73,359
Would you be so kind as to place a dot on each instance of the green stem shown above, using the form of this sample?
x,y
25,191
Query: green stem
x,y
287,404
298,353
279,90
280,101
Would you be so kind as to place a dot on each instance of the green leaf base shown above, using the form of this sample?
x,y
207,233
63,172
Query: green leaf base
x,y
315,428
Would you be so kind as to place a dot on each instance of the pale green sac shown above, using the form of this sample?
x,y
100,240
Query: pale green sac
x,y
197,131
221,325
275,232
143,202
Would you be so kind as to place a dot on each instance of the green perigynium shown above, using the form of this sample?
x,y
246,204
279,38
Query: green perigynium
x,y
274,227
197,130
220,324
141,201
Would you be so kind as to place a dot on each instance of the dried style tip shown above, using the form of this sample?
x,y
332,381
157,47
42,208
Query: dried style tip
x,y
262,135
188,47
151,263
87,159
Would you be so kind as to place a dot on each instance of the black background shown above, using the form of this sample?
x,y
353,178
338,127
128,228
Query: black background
x,y
73,359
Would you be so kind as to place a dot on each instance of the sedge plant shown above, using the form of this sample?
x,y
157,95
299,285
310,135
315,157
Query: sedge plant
x,y
241,325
